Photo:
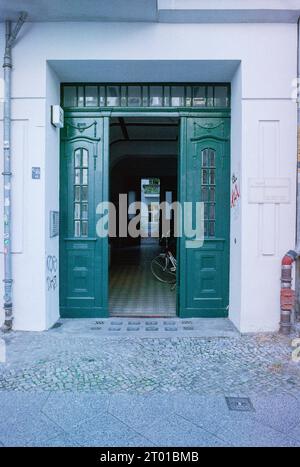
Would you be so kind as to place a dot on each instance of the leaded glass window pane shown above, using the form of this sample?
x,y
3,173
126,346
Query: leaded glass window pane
x,y
77,229
113,96
84,176
124,96
70,96
147,95
134,96
221,96
210,96
91,96
81,162
156,96
80,96
208,162
102,90
177,96
199,94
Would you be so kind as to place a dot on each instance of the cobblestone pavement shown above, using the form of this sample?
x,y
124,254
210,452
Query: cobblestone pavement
x,y
80,358
88,388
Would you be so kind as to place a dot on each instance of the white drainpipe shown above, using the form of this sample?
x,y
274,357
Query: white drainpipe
x,y
10,37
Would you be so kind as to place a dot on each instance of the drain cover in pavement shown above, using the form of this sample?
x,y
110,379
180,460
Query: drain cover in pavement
x,y
241,404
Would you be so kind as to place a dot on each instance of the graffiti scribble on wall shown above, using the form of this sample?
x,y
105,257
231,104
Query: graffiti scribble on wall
x,y
235,191
51,272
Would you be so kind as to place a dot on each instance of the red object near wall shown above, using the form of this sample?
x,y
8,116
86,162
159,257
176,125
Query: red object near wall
x,y
287,299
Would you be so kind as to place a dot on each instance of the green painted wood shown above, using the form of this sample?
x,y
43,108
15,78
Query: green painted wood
x,y
84,257
204,272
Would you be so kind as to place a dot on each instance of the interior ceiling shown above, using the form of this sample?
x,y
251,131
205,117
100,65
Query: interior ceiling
x,y
176,11
134,130
143,137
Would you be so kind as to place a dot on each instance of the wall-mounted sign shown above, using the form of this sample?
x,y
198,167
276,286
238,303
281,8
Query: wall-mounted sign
x,y
54,223
57,116
35,173
269,190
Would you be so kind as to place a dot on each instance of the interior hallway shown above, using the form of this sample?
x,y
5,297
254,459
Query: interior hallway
x,y
134,291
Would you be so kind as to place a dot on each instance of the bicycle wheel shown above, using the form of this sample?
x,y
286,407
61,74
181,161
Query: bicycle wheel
x,y
160,268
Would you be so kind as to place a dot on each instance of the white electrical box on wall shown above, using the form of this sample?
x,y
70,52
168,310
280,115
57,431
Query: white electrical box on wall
x,y
57,116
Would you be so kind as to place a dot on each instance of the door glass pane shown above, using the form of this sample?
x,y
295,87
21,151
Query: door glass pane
x,y
84,176
212,158
84,211
134,96
81,159
84,193
77,211
208,157
205,158
77,229
77,193
85,159
77,176
77,158
156,96
84,229
91,96
204,193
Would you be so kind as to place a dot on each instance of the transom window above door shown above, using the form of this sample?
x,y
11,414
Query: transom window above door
x,y
146,95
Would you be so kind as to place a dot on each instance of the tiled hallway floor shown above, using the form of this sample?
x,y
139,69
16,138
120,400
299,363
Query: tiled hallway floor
x,y
134,291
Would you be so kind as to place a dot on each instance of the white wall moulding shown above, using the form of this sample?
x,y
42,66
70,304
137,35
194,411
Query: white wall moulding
x,y
230,11
199,11
269,190
77,10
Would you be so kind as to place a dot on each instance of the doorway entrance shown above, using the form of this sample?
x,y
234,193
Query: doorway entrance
x,y
143,169
99,161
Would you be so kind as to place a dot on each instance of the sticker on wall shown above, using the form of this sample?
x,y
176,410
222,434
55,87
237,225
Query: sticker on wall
x,y
235,195
35,173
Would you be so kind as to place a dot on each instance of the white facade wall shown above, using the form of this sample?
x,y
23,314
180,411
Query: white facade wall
x,y
263,140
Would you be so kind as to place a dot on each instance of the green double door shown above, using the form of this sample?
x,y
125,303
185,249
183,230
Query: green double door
x,y
203,176
83,185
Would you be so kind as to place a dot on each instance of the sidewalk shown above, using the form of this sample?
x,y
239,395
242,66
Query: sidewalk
x,y
75,385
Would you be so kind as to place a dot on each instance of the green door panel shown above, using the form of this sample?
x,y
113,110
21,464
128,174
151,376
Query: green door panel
x,y
205,176
83,184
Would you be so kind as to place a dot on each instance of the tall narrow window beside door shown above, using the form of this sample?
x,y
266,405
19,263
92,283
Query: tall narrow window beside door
x,y
81,161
